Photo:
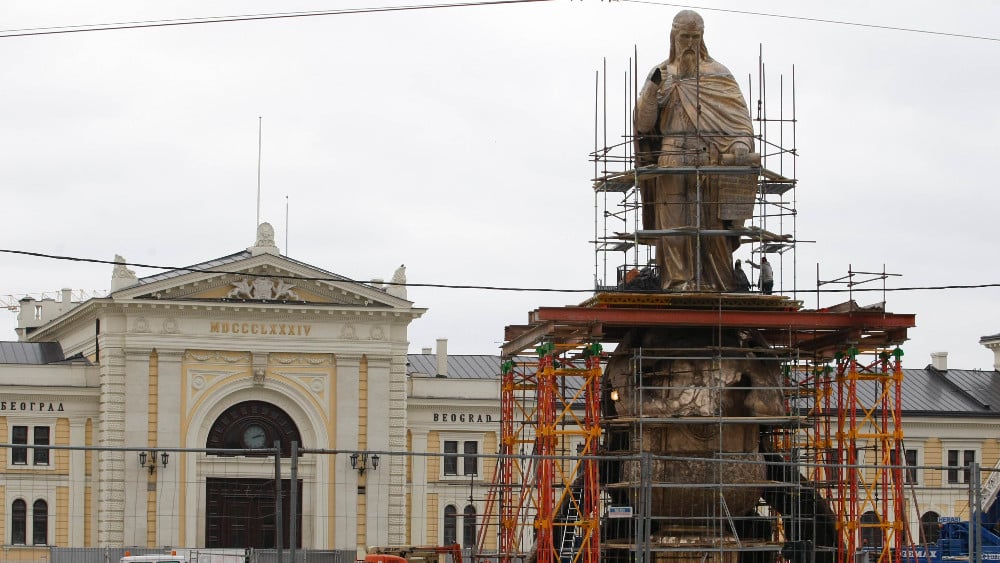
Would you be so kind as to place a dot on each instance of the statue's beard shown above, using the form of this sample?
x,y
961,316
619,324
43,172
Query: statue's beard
x,y
687,64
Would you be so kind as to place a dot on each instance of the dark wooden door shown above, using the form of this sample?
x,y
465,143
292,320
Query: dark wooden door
x,y
240,513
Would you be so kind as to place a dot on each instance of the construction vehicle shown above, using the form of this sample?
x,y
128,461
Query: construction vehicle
x,y
953,545
414,554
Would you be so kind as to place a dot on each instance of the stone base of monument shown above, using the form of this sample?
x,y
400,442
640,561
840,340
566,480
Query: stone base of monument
x,y
706,546
696,487
695,398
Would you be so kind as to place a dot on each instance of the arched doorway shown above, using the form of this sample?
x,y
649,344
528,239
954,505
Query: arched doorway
x,y
871,531
241,512
930,529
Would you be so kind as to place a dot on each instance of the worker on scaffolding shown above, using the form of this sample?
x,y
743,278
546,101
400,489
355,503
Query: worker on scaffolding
x,y
766,280
690,112
740,281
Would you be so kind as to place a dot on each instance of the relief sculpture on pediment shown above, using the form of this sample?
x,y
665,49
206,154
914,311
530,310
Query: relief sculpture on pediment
x,y
264,289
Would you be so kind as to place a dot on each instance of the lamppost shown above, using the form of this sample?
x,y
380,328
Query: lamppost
x,y
359,461
148,460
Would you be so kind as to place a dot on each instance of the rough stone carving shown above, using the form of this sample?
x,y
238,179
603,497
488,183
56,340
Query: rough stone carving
x,y
398,286
259,377
348,332
265,241
263,289
121,276
283,290
690,112
265,235
656,373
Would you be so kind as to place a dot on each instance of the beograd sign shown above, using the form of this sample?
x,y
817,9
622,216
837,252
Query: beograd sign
x,y
31,406
462,417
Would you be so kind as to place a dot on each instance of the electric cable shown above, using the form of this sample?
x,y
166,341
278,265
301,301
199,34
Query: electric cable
x,y
338,278
245,17
285,15
816,20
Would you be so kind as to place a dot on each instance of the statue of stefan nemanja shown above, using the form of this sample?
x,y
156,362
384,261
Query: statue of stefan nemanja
x,y
690,112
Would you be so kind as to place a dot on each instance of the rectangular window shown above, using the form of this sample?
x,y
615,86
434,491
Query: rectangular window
x,y
909,462
910,475
960,460
41,439
451,457
19,454
470,460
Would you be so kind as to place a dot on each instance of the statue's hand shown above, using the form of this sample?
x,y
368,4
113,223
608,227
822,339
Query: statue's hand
x,y
740,155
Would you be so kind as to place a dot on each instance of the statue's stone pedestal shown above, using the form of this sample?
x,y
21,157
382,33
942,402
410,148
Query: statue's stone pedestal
x,y
706,546
686,490
694,398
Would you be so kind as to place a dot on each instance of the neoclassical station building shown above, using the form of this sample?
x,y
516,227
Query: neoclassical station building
x,y
240,352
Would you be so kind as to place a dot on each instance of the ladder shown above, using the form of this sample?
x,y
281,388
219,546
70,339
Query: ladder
x,y
571,532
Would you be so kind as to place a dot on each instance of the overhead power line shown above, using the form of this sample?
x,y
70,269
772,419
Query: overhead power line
x,y
313,13
247,17
817,20
440,285
289,277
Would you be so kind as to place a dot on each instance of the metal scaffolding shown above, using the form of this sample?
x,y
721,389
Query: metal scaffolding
x,y
546,490
580,481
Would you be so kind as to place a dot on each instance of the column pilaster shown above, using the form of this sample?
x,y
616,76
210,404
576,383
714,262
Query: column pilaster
x,y
348,377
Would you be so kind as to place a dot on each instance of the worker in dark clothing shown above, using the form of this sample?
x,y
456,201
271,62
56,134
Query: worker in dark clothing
x,y
740,281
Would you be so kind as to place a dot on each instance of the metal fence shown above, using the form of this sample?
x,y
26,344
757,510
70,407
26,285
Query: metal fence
x,y
114,554
442,485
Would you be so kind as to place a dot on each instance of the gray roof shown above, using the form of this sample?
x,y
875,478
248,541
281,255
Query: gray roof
x,y
30,353
931,392
953,392
216,263
207,265
925,391
484,366
979,389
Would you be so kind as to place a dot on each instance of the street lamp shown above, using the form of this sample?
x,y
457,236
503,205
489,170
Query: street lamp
x,y
151,459
359,461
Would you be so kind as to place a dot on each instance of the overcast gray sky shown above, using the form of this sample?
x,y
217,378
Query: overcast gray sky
x,y
456,141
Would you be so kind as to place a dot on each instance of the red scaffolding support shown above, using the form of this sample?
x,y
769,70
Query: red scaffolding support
x,y
869,494
554,399
548,488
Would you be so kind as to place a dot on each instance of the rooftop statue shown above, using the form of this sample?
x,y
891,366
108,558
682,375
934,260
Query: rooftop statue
x,y
690,112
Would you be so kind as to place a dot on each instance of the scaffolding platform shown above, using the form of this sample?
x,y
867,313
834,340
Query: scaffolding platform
x,y
820,333
701,301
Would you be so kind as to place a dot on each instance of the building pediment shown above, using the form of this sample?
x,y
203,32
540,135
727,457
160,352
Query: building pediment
x,y
265,278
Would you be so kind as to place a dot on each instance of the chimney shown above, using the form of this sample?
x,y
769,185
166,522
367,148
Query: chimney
x,y
442,357
939,360
67,295
427,350
993,343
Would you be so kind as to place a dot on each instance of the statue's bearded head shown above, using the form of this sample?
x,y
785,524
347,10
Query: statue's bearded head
x,y
687,43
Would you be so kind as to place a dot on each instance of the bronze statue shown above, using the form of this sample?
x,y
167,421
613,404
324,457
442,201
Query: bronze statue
x,y
690,112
